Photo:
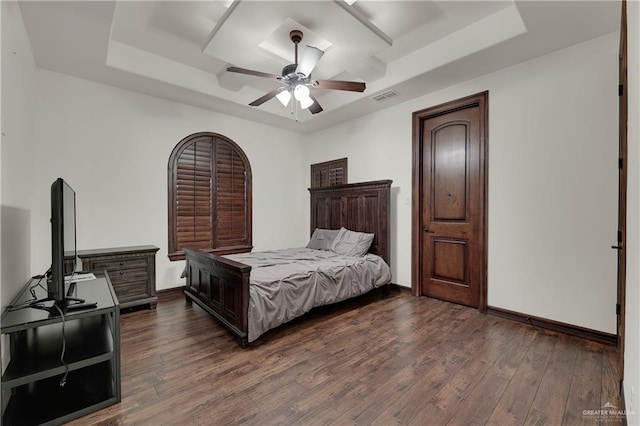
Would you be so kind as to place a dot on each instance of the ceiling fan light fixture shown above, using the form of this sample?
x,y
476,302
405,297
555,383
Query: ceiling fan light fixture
x,y
284,97
303,95
301,92
305,102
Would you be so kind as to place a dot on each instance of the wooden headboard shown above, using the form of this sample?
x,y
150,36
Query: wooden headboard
x,y
361,207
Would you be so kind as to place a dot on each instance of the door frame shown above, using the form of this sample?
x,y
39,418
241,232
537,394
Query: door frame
x,y
480,100
622,191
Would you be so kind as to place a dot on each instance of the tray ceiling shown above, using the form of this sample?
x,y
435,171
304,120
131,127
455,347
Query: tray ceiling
x,y
179,50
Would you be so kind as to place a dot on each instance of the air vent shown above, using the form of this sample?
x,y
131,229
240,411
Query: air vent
x,y
386,95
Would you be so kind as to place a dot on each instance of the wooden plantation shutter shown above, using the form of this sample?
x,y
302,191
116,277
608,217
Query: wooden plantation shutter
x,y
209,196
230,195
329,173
193,196
336,175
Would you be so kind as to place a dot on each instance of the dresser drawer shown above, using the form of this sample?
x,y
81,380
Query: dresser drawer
x,y
120,264
127,275
131,270
131,290
123,270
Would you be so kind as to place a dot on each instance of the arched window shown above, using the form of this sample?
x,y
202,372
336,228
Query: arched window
x,y
209,196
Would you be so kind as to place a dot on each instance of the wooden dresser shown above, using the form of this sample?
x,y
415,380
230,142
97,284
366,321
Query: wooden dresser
x,y
132,271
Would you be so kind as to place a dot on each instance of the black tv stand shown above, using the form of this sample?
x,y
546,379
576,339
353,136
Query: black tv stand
x,y
92,356
81,306
63,305
68,303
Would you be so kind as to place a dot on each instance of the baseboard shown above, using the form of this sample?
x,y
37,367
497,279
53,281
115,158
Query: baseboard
x,y
165,292
573,330
400,288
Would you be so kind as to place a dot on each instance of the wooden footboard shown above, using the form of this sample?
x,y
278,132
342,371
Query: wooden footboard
x,y
221,287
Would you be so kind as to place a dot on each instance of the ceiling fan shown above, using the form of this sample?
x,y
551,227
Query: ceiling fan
x,y
296,79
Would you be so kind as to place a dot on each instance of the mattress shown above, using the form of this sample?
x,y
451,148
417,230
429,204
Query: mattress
x,y
285,284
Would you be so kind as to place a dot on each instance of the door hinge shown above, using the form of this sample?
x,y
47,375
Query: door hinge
x,y
620,89
618,309
620,163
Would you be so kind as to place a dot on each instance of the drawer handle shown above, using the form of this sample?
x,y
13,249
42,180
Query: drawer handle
x,y
121,272
121,263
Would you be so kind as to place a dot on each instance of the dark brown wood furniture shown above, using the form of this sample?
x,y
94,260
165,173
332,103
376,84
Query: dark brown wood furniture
x,y
132,271
221,286
329,173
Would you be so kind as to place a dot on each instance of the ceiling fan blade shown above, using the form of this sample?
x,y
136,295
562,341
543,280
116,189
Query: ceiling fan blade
x,y
315,107
252,72
310,57
266,97
352,86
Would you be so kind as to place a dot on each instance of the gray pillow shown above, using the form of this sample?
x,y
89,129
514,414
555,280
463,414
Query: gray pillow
x,y
350,243
322,239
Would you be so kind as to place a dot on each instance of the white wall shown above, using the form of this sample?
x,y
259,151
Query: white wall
x,y
18,169
632,322
552,154
113,147
552,142
552,180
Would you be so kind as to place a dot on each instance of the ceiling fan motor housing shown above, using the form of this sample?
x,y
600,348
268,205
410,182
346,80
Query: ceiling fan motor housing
x,y
289,69
295,36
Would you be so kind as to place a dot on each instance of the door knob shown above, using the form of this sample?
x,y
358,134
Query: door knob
x,y
427,229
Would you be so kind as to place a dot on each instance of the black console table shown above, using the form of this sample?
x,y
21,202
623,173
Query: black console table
x,y
92,355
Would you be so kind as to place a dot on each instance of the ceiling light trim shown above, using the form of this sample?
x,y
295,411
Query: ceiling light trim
x,y
364,21
490,31
127,58
232,7
272,44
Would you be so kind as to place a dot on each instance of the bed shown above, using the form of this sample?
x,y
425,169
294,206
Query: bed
x,y
251,293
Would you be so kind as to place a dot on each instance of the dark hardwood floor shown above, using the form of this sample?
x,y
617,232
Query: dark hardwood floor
x,y
374,360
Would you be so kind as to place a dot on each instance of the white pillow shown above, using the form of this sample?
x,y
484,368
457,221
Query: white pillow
x,y
351,243
322,239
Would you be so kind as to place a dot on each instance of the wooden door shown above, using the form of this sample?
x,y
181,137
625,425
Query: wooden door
x,y
450,215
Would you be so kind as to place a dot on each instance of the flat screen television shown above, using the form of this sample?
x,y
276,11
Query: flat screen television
x,y
63,240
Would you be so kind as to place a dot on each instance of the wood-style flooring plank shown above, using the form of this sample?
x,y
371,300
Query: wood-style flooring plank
x,y
586,381
548,406
517,398
610,394
372,360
